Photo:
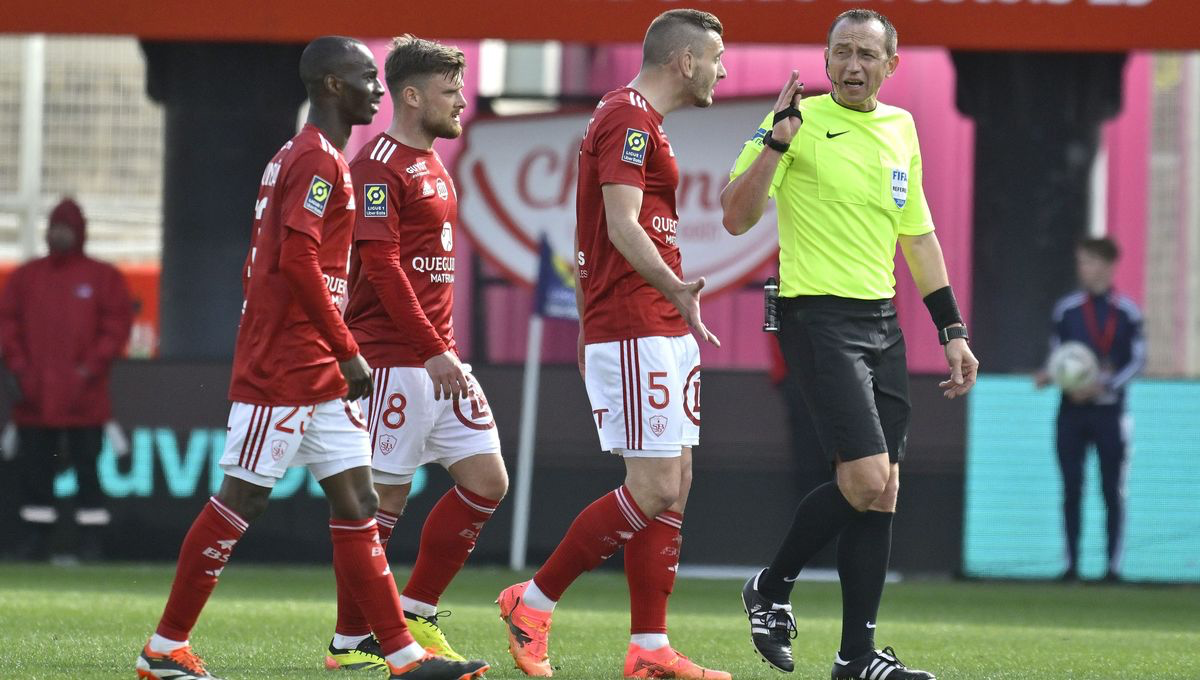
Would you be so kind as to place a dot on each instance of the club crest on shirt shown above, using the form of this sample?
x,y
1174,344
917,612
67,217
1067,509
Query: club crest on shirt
x,y
375,200
899,186
426,190
447,236
278,449
636,142
317,196
443,193
83,291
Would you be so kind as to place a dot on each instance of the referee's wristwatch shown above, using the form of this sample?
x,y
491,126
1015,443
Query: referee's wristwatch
x,y
949,333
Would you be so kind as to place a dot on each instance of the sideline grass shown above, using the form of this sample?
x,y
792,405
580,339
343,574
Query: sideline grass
x,y
273,622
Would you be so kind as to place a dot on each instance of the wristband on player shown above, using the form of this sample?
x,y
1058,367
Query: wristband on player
x,y
774,144
943,309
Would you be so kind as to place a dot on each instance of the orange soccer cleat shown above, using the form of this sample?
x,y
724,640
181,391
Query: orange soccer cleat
x,y
665,662
528,631
181,664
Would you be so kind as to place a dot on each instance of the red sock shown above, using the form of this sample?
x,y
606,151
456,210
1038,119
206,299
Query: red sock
x,y
651,560
350,618
386,523
597,532
203,555
447,538
359,558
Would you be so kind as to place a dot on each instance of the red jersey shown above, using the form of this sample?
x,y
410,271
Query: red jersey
x,y
281,358
406,198
625,144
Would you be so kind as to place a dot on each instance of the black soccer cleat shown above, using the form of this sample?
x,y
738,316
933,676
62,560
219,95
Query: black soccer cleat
x,y
366,656
879,664
432,667
772,626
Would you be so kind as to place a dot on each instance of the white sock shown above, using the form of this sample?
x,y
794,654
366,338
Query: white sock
x,y
161,645
535,599
649,640
417,607
348,641
407,655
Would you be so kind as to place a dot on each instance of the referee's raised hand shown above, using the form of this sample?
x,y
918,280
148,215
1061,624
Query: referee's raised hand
x,y
787,126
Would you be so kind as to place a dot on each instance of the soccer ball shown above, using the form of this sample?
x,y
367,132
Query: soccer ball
x,y
1073,366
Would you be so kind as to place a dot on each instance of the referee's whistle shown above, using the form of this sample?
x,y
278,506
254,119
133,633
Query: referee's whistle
x,y
771,306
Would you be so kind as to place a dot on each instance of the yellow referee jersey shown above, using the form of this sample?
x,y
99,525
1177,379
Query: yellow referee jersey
x,y
847,187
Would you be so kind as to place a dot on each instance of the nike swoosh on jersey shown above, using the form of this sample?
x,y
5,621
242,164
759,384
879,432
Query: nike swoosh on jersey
x,y
831,135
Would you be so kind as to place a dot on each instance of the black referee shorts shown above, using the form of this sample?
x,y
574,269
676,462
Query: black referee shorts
x,y
849,357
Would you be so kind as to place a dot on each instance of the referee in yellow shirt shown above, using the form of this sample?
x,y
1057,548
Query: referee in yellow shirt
x,y
845,171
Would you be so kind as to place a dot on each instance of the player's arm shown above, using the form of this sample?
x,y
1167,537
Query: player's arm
x,y
744,199
378,240
302,211
622,204
381,264
923,254
300,265
1042,377
1137,354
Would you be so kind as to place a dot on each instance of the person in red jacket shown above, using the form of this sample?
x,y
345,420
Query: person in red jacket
x,y
64,318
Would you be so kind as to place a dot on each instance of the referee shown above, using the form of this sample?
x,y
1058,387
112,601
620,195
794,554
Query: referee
x,y
845,171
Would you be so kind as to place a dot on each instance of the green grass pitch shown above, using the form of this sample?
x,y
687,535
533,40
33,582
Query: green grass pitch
x,y
273,622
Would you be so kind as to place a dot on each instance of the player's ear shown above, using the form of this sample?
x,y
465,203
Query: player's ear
x,y
892,63
687,62
411,95
333,84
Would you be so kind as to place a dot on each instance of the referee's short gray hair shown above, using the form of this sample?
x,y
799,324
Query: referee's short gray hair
x,y
862,16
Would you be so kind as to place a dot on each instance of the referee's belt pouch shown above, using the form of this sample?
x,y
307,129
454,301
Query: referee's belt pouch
x,y
793,309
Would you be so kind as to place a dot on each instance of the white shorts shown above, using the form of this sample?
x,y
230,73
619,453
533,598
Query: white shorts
x,y
264,441
409,428
645,394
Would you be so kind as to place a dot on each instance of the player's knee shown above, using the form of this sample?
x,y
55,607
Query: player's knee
x,y
368,502
247,499
663,493
685,480
392,497
654,495
886,502
864,483
493,488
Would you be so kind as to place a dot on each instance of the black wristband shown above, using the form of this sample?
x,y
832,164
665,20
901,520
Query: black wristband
x,y
774,144
953,333
943,308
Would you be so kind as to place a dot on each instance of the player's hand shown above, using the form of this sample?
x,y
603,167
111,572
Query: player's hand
x,y
358,377
449,379
1087,393
580,355
787,128
964,368
1041,379
687,300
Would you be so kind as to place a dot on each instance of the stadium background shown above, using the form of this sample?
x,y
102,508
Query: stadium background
x,y
1033,135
